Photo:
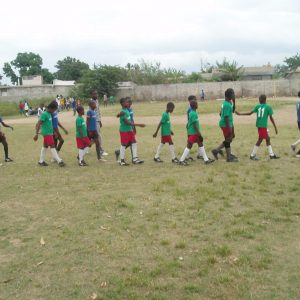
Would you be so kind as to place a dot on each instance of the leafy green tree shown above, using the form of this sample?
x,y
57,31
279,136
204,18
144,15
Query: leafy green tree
x,y
193,77
48,77
230,71
290,64
10,73
103,78
70,69
172,75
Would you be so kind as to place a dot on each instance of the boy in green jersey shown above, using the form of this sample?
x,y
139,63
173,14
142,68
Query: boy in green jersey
x,y
166,134
263,113
226,124
194,136
127,134
45,122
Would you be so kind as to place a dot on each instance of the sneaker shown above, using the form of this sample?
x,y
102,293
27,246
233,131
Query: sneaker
x,y
61,164
215,153
43,164
158,160
274,156
137,161
102,159
123,163
82,164
104,153
190,159
209,161
254,157
232,159
117,154
232,155
293,148
199,156
183,163
175,160
8,159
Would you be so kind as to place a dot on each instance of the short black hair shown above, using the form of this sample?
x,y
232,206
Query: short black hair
x,y
79,108
170,105
91,102
192,97
262,98
122,100
229,93
299,94
53,105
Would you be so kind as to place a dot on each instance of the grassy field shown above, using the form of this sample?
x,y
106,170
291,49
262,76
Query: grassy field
x,y
154,231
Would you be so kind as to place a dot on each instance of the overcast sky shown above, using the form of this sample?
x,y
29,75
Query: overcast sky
x,y
176,33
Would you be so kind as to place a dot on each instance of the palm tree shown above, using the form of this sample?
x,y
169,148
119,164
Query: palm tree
x,y
230,70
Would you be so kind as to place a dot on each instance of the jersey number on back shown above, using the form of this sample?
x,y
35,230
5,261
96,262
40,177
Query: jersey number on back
x,y
260,112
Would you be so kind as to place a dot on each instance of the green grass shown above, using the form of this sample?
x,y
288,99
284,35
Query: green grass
x,y
155,231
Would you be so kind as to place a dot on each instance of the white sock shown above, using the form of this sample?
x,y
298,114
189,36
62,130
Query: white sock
x,y
172,151
296,143
203,153
254,151
43,154
86,150
134,151
122,152
271,153
55,155
158,151
81,154
185,154
199,151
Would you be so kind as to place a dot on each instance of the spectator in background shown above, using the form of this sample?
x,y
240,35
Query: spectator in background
x,y
202,95
21,108
74,106
26,108
40,110
105,100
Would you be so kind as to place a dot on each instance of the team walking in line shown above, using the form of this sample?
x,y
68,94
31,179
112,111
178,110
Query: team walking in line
x,y
88,132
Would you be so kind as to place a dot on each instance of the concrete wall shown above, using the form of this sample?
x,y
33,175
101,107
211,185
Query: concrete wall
x,y
17,93
213,90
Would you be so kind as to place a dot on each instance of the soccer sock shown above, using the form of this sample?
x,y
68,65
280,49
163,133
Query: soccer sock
x,y
172,151
271,153
81,154
55,155
296,143
43,154
159,148
122,152
5,146
254,151
199,151
134,151
203,153
185,154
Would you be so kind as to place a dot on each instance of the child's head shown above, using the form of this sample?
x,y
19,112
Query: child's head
x,y
128,99
170,107
192,98
92,104
262,99
194,104
52,107
229,94
94,94
80,110
124,102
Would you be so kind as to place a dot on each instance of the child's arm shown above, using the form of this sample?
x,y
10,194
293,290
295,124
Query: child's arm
x,y
155,133
5,125
273,122
134,124
63,128
37,130
87,121
120,114
244,114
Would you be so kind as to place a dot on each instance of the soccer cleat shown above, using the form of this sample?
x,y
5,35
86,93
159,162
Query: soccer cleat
x,y
43,164
190,159
61,164
82,164
104,153
102,159
183,163
175,160
199,156
137,161
215,153
254,157
293,148
117,154
274,156
158,160
123,163
8,159
233,156
232,159
209,161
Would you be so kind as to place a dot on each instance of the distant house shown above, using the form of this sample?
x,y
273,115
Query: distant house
x,y
258,73
32,80
294,74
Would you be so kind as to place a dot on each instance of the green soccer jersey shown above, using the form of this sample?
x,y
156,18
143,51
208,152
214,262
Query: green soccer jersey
x,y
165,124
80,124
46,119
124,127
193,119
226,111
263,111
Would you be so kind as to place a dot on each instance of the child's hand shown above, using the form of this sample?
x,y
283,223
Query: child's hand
x,y
66,131
142,125
11,128
35,138
172,133
155,135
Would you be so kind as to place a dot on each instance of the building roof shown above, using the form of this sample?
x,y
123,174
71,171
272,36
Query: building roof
x,y
254,71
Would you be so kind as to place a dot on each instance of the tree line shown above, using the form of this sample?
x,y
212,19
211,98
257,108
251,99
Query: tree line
x,y
104,78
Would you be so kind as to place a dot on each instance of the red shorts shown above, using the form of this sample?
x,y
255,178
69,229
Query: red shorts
x,y
48,140
226,131
127,137
83,142
93,134
263,133
195,138
166,139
